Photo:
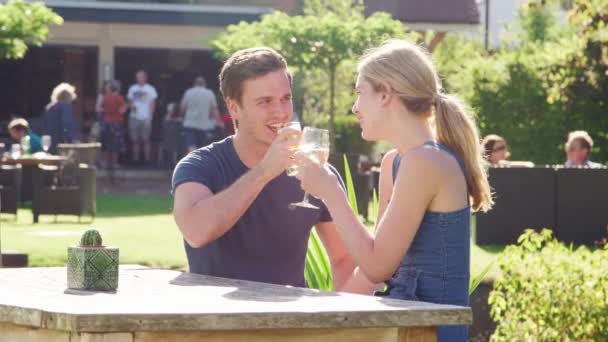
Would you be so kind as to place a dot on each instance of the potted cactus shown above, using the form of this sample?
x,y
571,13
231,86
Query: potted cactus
x,y
92,266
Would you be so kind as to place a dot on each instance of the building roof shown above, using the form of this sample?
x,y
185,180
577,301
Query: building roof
x,y
428,11
155,13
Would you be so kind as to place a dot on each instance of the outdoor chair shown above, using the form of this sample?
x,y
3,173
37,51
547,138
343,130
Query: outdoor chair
x,y
10,188
67,189
524,198
80,153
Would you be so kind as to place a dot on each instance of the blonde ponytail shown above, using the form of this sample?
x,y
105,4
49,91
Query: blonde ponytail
x,y
408,69
457,130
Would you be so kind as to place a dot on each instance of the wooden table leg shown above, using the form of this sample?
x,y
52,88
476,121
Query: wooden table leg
x,y
418,334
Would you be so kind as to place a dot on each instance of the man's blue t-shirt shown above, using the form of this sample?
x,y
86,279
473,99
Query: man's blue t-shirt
x,y
269,242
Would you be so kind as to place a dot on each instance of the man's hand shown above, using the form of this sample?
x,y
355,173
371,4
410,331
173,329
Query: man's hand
x,y
280,154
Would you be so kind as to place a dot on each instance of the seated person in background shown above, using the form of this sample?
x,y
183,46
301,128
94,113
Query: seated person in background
x,y
173,114
497,152
19,128
578,149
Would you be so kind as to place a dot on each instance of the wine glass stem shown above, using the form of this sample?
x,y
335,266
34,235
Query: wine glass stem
x,y
305,200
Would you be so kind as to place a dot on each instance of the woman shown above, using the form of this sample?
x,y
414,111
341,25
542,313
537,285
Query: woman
x,y
496,149
59,120
497,153
428,185
112,108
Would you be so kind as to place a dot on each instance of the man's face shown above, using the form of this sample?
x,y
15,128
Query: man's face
x,y
576,153
16,134
265,106
141,77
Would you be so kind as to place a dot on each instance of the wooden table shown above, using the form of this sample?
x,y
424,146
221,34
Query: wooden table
x,y
35,160
28,164
165,305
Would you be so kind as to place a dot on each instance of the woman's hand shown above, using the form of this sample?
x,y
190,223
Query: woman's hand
x,y
316,179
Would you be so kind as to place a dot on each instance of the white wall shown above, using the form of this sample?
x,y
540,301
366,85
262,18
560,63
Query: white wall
x,y
502,13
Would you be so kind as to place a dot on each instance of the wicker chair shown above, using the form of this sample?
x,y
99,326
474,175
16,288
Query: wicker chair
x,y
10,188
80,153
59,191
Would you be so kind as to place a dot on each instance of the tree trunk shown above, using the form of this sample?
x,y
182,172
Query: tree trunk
x,y
332,105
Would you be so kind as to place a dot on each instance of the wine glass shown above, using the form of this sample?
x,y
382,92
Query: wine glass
x,y
46,143
314,144
15,151
292,170
25,145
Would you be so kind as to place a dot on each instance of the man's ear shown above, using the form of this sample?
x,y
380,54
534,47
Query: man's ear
x,y
233,108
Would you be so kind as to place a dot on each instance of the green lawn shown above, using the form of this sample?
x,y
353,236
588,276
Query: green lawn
x,y
142,226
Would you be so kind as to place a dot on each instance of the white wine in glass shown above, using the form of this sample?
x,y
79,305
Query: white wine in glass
x,y
291,171
314,143
15,151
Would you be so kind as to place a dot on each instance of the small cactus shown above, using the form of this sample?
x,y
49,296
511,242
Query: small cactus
x,y
91,238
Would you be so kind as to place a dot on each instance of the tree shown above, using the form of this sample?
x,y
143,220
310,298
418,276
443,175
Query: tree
x,y
325,37
579,82
22,24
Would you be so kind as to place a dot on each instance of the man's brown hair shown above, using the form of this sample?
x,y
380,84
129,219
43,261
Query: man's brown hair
x,y
248,64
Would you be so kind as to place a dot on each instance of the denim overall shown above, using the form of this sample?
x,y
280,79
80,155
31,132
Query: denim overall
x,y
436,266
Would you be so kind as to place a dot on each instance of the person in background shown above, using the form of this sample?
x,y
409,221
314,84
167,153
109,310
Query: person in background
x,y
95,134
112,109
19,128
578,149
58,120
142,98
201,116
170,148
173,113
496,152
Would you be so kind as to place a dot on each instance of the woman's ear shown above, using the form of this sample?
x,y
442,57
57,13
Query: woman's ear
x,y
386,92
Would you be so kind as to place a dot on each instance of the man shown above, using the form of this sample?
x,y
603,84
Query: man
x,y
578,149
142,98
232,197
19,128
201,116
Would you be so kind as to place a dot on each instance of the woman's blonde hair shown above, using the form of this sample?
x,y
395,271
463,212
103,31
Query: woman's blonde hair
x,y
407,69
63,92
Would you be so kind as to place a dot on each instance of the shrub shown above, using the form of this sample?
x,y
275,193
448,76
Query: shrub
x,y
548,292
347,135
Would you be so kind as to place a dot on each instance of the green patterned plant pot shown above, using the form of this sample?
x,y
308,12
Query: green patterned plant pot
x,y
93,268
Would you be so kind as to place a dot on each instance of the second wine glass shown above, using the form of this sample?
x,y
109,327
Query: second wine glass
x,y
314,143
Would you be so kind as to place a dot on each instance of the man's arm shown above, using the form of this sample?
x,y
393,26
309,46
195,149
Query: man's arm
x,y
183,106
154,96
216,114
152,107
342,265
203,217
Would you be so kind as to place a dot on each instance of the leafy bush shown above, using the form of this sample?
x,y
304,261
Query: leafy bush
x,y
549,79
548,292
347,135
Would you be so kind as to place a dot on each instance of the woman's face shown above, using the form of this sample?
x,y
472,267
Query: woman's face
x,y
368,110
499,152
